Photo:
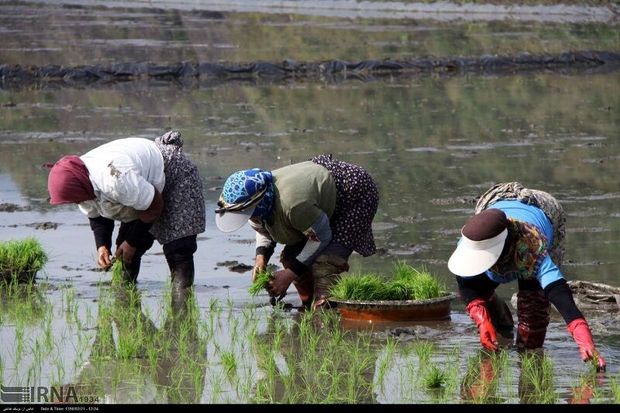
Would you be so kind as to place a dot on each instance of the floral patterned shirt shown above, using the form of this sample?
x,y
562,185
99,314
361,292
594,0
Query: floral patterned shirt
x,y
531,259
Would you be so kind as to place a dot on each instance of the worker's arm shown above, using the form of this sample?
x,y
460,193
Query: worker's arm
x,y
102,230
265,246
560,295
140,227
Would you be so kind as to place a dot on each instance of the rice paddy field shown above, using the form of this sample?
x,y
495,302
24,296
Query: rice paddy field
x,y
433,142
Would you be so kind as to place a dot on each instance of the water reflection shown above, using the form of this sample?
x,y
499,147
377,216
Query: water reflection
x,y
23,304
488,379
305,352
48,34
133,361
432,145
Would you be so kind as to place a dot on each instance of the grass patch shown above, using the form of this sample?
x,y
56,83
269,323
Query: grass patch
x,y
20,260
260,282
407,283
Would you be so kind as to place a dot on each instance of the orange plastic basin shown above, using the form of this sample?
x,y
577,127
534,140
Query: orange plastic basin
x,y
397,310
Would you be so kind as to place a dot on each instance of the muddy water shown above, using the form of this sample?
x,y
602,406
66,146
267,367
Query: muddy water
x,y
432,144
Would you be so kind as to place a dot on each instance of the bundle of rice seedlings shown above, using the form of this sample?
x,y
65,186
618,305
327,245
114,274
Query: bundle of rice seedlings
x,y
21,260
420,284
260,282
360,287
408,284
117,271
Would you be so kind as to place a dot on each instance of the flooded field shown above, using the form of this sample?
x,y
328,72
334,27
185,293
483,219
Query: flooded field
x,y
432,142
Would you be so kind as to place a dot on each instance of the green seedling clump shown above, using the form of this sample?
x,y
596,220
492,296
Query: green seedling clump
x,y
117,271
260,282
435,377
362,287
21,260
408,283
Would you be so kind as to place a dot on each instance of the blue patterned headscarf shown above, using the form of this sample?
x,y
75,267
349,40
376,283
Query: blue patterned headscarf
x,y
246,187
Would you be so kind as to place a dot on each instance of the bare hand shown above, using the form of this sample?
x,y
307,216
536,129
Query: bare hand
x,y
126,252
281,281
104,257
260,265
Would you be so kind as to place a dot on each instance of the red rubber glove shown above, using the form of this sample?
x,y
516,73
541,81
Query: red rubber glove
x,y
580,331
478,312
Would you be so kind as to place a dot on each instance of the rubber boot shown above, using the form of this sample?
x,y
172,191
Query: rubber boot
x,y
305,289
533,314
179,302
182,280
130,271
501,317
305,286
326,271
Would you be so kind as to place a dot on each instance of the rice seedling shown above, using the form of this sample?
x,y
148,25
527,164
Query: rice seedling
x,y
452,380
229,362
252,330
234,326
117,272
536,380
434,377
20,260
49,337
359,287
33,371
58,375
500,365
614,384
408,283
480,383
420,284
583,391
216,389
198,376
386,361
19,340
451,368
424,350
312,356
37,352
22,303
245,384
260,282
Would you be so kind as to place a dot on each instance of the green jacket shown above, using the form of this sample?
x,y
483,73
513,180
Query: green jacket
x,y
302,191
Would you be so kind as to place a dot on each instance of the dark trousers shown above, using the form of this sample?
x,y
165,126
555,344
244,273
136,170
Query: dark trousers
x,y
179,255
321,275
